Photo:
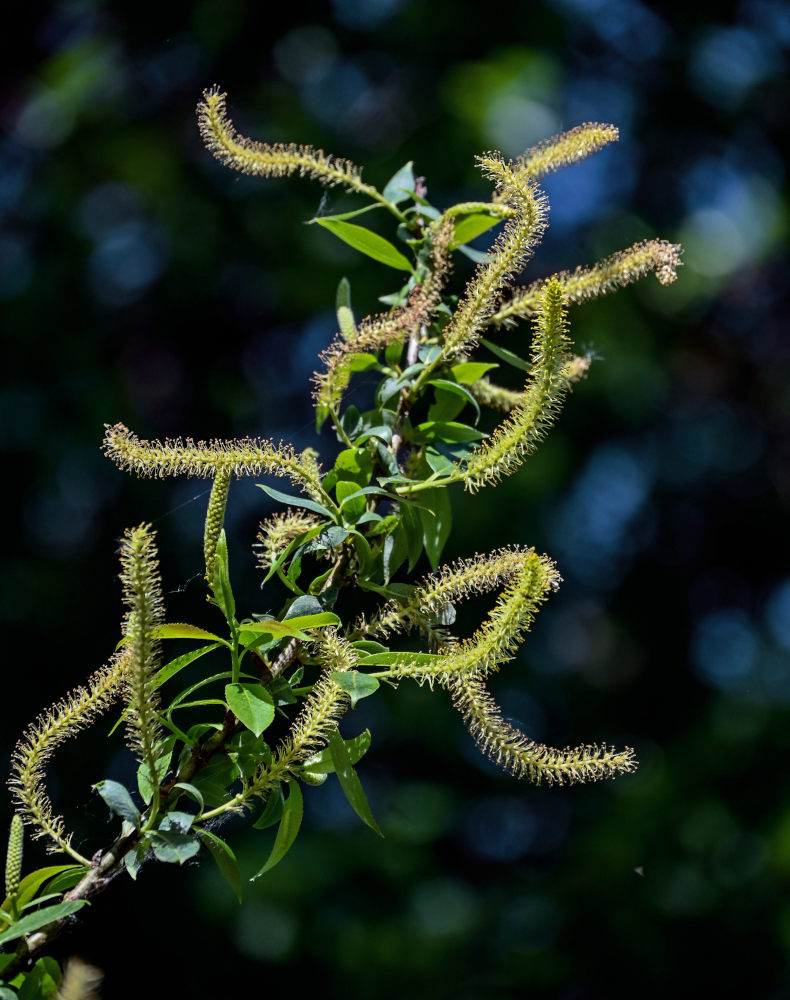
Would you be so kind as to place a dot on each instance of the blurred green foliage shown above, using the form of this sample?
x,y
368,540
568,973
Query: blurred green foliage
x,y
662,492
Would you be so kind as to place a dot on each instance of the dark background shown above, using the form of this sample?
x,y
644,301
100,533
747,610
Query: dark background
x,y
662,492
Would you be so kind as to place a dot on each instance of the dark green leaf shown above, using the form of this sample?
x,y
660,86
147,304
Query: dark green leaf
x,y
401,185
367,242
354,465
225,859
457,390
252,705
215,779
357,685
272,811
174,847
192,792
144,783
349,780
304,606
41,918
294,501
346,215
180,822
289,827
67,879
505,355
367,647
322,763
119,800
133,860
436,523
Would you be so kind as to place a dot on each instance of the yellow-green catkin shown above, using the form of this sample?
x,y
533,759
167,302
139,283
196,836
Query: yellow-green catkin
x,y
13,858
215,518
270,159
657,257
523,757
142,590
277,532
566,148
507,257
547,384
205,459
52,728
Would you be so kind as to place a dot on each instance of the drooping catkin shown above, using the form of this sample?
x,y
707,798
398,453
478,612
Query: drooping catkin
x,y
549,379
43,736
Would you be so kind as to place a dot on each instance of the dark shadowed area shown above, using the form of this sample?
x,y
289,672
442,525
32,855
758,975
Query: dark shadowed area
x,y
141,282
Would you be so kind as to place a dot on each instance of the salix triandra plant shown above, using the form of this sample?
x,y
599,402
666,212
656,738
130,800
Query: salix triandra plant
x,y
345,545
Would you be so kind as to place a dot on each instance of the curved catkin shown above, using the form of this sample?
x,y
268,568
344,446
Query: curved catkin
x,y
263,159
142,591
206,459
549,378
52,728
566,148
529,577
507,256
277,532
523,757
453,582
658,257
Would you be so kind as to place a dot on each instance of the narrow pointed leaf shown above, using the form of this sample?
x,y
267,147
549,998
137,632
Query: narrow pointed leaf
x,y
183,630
323,763
293,810
367,242
349,781
294,501
505,355
225,859
41,918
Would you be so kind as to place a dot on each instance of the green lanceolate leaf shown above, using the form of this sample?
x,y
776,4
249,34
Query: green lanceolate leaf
x,y
507,356
119,800
467,227
294,501
34,921
453,388
223,592
367,242
252,705
291,820
445,430
436,523
272,811
355,684
33,881
396,659
401,185
225,859
349,780
322,763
